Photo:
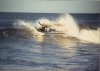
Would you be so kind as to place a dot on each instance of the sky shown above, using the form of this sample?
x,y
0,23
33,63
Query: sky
x,y
50,6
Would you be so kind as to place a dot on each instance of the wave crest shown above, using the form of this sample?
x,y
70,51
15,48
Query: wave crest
x,y
65,24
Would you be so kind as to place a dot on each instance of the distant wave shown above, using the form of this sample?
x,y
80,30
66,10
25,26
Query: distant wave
x,y
66,24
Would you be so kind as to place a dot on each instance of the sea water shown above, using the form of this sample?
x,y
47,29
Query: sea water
x,y
19,51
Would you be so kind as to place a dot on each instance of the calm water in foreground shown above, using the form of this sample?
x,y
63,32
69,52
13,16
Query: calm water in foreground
x,y
51,53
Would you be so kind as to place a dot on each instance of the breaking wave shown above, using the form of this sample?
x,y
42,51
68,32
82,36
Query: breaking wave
x,y
65,24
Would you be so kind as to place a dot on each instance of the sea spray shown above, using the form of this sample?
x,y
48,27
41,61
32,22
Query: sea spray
x,y
66,24
29,27
90,35
69,26
72,29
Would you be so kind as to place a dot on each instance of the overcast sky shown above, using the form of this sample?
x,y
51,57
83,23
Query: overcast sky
x,y
50,6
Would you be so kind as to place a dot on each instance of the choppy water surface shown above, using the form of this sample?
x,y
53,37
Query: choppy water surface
x,y
52,53
20,51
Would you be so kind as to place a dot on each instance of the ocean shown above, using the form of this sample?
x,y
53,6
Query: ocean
x,y
20,51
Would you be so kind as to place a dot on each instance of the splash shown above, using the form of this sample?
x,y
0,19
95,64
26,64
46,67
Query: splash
x,y
29,27
65,24
90,35
72,29
69,26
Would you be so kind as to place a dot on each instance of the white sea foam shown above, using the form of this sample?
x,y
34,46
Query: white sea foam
x,y
29,27
65,24
69,26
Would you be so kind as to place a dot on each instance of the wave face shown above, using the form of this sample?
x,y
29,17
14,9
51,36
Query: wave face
x,y
72,29
66,24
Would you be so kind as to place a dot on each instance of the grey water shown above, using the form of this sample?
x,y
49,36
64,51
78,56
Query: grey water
x,y
52,53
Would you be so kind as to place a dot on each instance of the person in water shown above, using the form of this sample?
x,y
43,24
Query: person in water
x,y
43,29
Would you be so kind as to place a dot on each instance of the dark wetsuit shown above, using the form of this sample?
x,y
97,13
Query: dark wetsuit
x,y
43,29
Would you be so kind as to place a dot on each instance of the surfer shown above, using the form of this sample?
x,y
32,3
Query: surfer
x,y
46,28
43,29
50,27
